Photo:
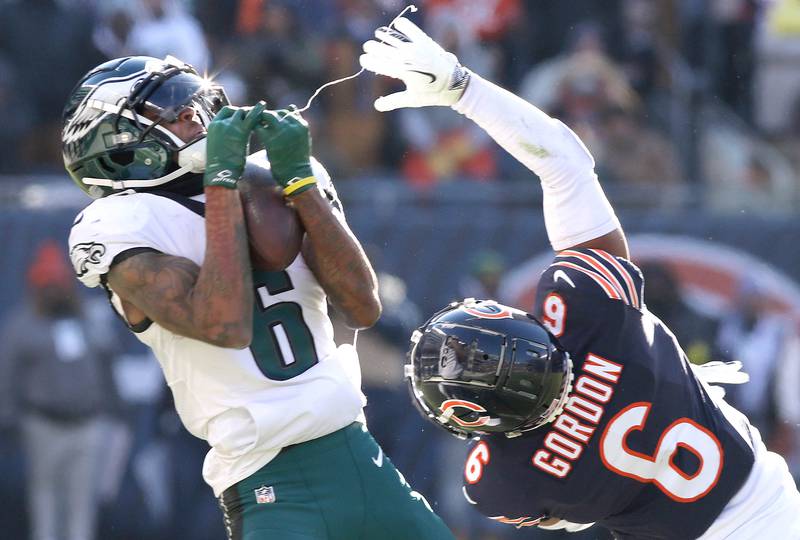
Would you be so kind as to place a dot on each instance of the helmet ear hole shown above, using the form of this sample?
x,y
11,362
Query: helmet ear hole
x,y
122,157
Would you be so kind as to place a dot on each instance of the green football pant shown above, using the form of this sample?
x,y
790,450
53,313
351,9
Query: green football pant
x,y
336,487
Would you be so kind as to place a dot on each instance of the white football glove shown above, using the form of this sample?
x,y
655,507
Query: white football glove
x,y
432,75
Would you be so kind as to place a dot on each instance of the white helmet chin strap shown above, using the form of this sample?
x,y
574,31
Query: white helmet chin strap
x,y
193,157
128,184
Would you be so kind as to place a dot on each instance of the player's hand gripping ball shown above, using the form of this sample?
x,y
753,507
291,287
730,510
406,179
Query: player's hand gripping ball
x,y
286,137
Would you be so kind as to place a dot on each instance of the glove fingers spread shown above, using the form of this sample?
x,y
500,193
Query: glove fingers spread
x,y
394,101
383,51
405,52
380,66
412,31
391,37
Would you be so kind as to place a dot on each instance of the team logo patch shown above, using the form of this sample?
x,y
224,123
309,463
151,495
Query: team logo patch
x,y
85,255
448,412
265,495
488,311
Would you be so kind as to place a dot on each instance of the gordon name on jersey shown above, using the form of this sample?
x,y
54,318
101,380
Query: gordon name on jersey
x,y
292,385
639,445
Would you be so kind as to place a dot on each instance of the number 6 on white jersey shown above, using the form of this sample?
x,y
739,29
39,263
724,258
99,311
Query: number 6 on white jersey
x,y
659,468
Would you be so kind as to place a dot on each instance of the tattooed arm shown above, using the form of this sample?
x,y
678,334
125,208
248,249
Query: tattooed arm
x,y
212,302
330,249
338,261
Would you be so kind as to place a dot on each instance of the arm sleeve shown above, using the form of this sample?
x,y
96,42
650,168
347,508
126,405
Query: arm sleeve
x,y
575,208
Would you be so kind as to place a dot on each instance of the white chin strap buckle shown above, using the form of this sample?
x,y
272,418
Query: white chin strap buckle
x,y
193,157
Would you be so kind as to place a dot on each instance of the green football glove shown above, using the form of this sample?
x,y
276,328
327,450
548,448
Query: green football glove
x,y
285,135
227,142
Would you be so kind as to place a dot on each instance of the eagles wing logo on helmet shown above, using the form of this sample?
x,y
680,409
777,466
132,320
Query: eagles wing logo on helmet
x,y
83,255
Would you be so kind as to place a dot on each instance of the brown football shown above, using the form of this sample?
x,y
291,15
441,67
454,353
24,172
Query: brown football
x,y
273,228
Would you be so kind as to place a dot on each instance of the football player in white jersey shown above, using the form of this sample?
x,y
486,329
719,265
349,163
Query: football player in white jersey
x,y
248,354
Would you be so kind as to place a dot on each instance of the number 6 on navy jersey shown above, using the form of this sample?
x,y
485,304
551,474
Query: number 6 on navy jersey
x,y
659,468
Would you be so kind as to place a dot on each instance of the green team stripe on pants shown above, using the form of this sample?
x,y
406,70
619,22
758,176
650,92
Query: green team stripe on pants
x,y
337,487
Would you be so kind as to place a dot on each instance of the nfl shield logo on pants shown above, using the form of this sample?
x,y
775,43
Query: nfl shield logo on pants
x,y
265,494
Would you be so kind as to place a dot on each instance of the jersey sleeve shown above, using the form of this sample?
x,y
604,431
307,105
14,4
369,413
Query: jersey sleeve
x,y
584,292
107,229
492,486
325,185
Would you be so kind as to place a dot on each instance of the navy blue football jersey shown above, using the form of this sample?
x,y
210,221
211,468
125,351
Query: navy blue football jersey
x,y
640,447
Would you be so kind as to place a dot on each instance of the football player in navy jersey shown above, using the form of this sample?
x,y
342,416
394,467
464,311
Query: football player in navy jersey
x,y
586,411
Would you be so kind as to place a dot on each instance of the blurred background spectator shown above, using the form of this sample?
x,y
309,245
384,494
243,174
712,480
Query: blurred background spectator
x,y
163,27
751,334
656,89
696,332
691,109
47,46
55,388
486,271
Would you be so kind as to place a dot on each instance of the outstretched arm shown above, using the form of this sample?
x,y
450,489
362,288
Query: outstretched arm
x,y
576,211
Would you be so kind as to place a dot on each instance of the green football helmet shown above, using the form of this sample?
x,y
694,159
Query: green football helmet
x,y
114,136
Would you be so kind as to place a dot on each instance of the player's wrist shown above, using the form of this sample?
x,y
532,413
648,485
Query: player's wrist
x,y
224,177
294,177
459,82
298,185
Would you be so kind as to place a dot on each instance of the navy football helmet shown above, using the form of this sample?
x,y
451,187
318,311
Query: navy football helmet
x,y
481,367
113,135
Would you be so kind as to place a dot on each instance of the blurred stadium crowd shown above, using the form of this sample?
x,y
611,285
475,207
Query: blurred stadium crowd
x,y
655,88
690,108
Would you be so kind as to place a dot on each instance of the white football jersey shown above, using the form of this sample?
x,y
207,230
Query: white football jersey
x,y
292,385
